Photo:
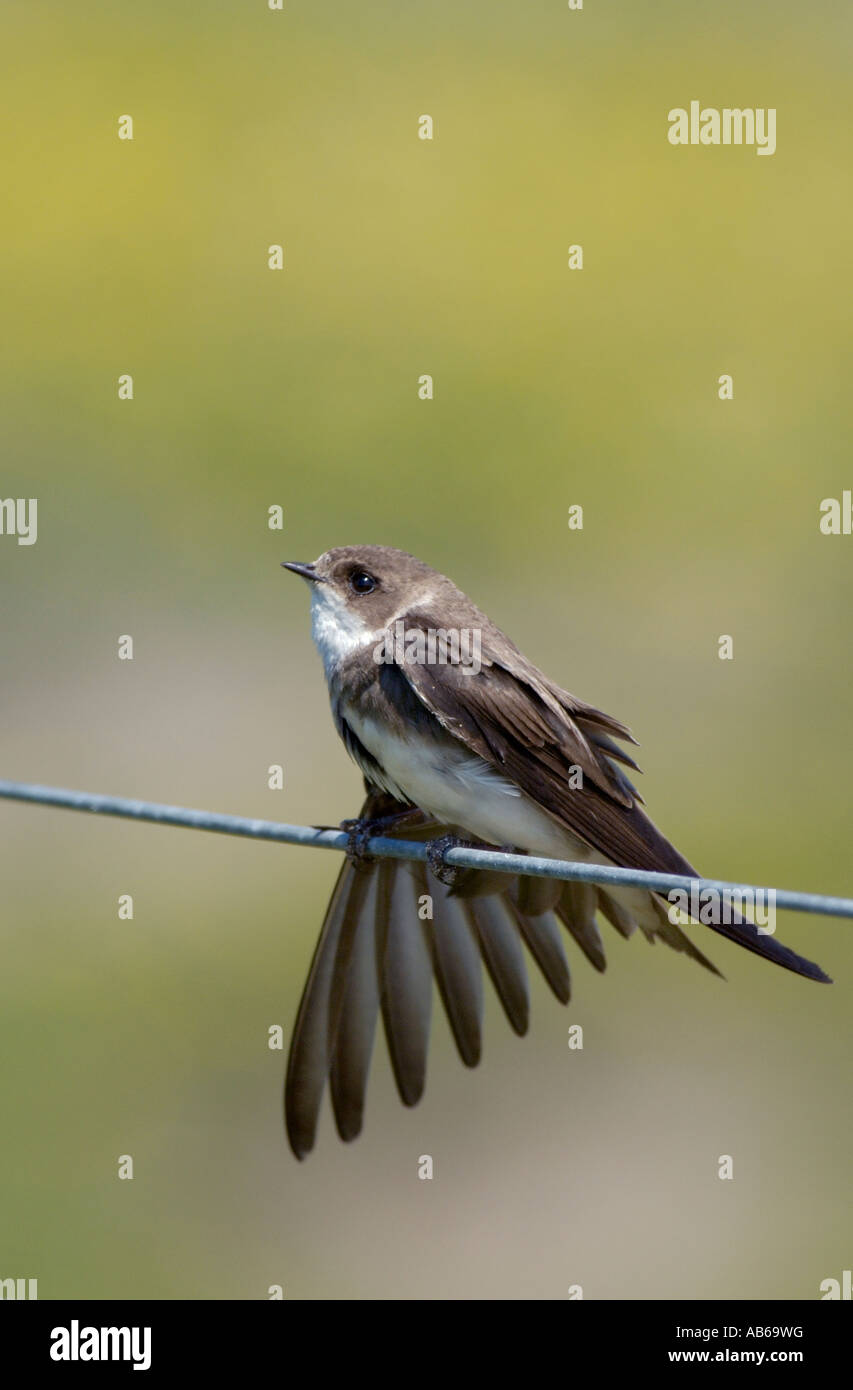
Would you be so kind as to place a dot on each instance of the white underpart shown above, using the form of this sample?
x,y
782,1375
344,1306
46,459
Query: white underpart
x,y
465,791
458,788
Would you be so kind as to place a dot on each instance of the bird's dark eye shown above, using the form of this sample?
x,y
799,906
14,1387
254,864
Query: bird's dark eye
x,y
361,582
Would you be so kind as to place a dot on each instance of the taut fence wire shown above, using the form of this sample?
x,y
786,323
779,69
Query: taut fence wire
x,y
462,857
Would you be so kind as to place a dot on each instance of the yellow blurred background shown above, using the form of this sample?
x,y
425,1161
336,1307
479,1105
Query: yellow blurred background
x,y
552,388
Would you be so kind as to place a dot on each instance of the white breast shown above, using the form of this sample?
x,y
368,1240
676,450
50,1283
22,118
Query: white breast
x,y
458,788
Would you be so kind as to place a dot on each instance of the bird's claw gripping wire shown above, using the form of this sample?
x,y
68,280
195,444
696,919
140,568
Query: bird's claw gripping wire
x,y
448,874
361,829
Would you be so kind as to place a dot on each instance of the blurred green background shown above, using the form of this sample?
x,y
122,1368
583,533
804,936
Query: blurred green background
x,y
552,387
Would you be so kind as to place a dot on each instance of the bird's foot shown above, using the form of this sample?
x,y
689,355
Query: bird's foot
x,y
361,830
358,833
448,874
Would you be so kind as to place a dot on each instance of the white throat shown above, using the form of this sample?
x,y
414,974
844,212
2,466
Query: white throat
x,y
337,629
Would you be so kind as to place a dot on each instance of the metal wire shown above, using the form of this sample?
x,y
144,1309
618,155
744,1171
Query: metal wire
x,y
382,847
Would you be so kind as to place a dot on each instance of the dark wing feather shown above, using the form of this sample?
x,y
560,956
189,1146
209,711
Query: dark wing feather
x,y
535,734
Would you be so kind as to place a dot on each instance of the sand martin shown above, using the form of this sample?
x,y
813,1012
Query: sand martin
x,y
459,735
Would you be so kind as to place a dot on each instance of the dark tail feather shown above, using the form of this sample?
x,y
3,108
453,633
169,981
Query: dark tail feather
x,y
533,896
458,972
314,1033
406,979
501,947
357,1026
576,910
617,915
545,943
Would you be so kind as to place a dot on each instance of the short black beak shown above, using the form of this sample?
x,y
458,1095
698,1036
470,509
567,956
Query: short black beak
x,y
300,567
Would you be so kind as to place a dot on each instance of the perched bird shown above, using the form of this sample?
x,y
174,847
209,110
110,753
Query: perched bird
x,y
459,735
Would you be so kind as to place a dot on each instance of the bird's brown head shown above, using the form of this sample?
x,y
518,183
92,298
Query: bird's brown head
x,y
366,586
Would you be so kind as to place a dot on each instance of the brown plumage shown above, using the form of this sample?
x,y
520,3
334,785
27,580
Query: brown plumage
x,y
469,749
